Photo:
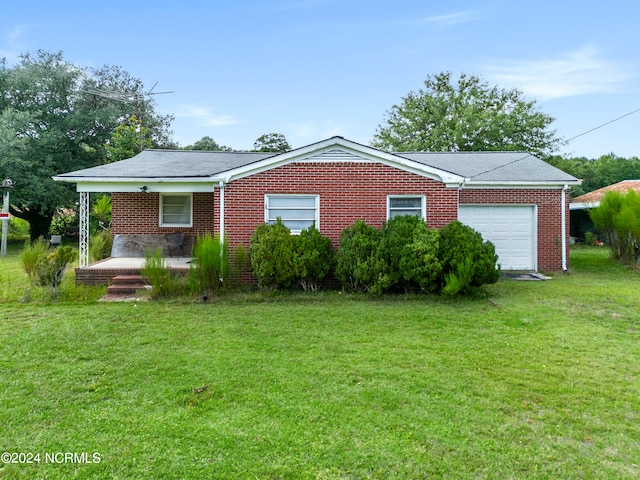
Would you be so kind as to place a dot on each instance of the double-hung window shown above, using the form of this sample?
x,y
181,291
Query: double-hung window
x,y
175,210
297,212
399,205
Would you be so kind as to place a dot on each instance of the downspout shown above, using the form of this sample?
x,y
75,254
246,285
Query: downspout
x,y
564,227
221,212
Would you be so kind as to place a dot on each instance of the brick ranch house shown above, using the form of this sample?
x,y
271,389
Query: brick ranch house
x,y
514,199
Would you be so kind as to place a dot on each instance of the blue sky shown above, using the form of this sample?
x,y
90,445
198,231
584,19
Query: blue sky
x,y
311,69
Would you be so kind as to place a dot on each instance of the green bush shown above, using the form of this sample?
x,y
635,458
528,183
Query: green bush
x,y
618,219
313,258
271,254
210,269
32,253
358,265
461,245
100,244
51,267
18,229
63,219
100,218
419,263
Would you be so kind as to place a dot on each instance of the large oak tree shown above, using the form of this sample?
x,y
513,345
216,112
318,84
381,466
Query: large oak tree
x,y
465,115
57,117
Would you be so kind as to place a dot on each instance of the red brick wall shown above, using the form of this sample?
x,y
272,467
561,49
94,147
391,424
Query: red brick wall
x,y
139,213
348,192
549,218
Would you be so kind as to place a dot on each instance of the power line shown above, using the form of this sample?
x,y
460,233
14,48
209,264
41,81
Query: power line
x,y
603,125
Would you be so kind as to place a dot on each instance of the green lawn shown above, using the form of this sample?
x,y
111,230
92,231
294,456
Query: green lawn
x,y
528,380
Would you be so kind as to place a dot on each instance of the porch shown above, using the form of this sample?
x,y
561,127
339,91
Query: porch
x,y
103,271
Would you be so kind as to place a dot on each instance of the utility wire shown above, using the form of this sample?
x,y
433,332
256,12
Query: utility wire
x,y
603,125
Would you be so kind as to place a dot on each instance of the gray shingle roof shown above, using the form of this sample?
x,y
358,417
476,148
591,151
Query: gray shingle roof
x,y
172,164
492,166
478,167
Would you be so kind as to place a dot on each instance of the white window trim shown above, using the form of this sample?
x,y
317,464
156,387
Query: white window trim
x,y
161,216
423,204
303,195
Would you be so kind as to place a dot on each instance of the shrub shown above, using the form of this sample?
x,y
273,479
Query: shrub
x,y
101,214
31,255
461,245
357,263
313,258
51,267
211,268
618,219
271,254
100,244
419,263
63,219
18,229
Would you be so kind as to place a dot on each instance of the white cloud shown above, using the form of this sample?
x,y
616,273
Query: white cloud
x,y
202,116
449,19
580,72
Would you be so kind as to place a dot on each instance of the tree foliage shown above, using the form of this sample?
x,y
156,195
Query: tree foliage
x,y
208,143
127,140
271,142
52,120
467,115
597,173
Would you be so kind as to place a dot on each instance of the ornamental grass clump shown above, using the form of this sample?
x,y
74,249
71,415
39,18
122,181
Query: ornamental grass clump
x,y
31,255
210,269
164,283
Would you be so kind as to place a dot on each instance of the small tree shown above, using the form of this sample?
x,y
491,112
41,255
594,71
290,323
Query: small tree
x,y
618,219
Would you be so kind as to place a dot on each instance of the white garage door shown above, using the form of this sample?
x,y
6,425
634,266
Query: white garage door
x,y
511,228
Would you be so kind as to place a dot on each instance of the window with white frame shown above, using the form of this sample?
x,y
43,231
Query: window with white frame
x,y
296,211
399,205
175,210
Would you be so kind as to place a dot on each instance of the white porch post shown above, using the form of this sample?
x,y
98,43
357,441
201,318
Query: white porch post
x,y
221,213
84,229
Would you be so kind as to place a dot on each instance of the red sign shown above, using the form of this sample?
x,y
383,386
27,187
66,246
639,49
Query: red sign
x,y
3,215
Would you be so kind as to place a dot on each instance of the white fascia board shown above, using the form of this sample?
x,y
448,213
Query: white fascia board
x,y
368,153
518,184
183,185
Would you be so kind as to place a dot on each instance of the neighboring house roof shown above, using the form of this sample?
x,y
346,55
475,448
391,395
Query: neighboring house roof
x,y
181,167
592,199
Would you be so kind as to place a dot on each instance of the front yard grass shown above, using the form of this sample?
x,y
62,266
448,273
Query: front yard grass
x,y
525,380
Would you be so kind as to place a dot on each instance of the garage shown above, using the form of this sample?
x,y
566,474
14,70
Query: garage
x,y
511,228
